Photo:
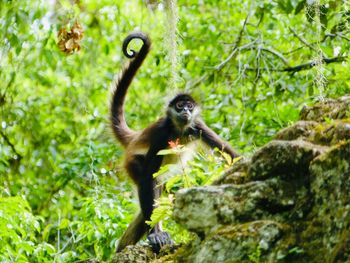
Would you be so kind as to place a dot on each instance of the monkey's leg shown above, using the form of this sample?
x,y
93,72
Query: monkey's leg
x,y
137,228
141,170
158,238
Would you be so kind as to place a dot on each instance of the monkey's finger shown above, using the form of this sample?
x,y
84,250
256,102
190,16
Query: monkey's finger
x,y
158,240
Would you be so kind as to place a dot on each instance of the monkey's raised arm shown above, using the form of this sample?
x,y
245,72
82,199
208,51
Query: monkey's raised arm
x,y
120,128
213,140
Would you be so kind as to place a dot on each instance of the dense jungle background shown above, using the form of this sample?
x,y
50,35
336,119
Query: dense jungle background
x,y
252,65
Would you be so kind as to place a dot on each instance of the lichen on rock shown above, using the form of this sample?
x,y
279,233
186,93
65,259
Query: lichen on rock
x,y
327,109
283,158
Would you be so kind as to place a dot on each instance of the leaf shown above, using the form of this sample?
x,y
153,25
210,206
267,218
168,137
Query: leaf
x,y
172,181
46,232
299,7
323,16
163,169
176,150
64,223
163,210
310,14
227,157
69,44
166,152
285,5
310,90
236,159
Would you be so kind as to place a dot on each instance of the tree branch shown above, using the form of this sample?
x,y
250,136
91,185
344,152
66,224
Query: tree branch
x,y
304,66
337,35
7,140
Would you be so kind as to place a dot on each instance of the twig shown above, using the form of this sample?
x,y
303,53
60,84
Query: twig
x,y
233,53
302,40
194,83
313,43
277,54
7,140
235,47
257,72
336,35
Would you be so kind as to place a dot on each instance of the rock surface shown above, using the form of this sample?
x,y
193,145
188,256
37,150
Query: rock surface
x,y
290,202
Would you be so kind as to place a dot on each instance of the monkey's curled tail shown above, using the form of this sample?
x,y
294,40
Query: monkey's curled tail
x,y
121,130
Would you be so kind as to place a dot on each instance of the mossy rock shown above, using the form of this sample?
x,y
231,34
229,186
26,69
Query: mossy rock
x,y
290,202
327,109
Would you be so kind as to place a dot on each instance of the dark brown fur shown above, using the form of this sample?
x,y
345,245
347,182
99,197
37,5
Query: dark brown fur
x,y
141,148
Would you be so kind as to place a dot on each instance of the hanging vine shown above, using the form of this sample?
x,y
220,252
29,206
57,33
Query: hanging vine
x,y
314,12
171,40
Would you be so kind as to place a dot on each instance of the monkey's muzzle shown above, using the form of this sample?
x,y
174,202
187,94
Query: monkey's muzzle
x,y
185,115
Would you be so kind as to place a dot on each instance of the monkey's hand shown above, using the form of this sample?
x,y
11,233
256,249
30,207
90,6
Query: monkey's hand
x,y
159,239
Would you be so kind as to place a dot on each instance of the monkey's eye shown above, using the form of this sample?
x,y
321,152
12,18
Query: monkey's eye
x,y
190,106
179,105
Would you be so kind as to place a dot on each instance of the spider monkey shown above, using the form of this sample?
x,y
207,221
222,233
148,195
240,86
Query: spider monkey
x,y
181,121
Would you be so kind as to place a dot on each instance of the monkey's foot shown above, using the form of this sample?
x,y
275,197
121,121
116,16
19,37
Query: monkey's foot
x,y
159,239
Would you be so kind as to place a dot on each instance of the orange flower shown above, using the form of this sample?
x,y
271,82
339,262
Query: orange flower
x,y
175,144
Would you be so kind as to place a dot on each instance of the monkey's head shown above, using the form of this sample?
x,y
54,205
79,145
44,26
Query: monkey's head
x,y
183,110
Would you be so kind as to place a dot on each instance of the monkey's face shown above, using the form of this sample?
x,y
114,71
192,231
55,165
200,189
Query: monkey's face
x,y
183,110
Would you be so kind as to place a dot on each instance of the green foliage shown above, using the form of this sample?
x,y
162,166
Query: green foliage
x,y
296,250
162,211
255,257
19,230
203,170
93,231
56,150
